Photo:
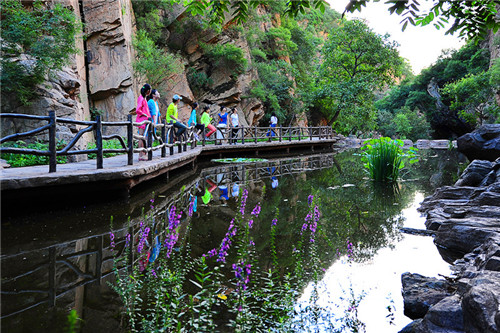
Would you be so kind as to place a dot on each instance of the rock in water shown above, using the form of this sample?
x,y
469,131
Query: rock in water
x,y
481,144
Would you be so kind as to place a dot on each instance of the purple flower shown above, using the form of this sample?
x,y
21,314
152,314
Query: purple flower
x,y
250,224
244,197
252,243
191,206
304,227
242,273
317,213
256,210
310,199
127,240
274,221
112,237
153,272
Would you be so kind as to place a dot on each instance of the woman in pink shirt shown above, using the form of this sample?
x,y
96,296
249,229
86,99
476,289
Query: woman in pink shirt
x,y
142,112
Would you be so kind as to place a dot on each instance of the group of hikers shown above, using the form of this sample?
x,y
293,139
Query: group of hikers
x,y
148,108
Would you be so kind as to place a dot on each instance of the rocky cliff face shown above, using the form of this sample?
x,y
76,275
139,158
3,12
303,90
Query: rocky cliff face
x,y
101,79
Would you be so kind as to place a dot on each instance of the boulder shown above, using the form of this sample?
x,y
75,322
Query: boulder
x,y
475,173
483,143
420,293
445,316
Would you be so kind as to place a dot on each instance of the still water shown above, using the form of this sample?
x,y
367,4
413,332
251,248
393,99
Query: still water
x,y
55,261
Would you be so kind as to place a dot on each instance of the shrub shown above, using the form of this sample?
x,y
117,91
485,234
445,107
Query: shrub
x,y
106,144
383,158
153,63
226,55
45,34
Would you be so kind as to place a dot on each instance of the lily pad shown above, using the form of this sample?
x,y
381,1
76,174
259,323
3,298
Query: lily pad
x,y
239,160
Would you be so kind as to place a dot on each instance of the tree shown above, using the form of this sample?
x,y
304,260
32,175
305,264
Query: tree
x,y
45,35
473,98
470,18
356,62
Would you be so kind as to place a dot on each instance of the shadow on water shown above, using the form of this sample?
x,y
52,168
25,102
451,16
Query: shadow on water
x,y
54,261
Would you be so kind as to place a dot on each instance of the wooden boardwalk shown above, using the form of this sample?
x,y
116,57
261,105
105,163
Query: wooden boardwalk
x,y
117,174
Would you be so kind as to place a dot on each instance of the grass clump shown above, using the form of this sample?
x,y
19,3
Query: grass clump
x,y
385,157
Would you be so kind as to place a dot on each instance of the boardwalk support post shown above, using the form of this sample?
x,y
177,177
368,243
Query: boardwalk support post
x,y
52,142
255,133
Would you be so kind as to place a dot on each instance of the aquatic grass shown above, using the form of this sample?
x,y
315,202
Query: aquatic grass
x,y
384,158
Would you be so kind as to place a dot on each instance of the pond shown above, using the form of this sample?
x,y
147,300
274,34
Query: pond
x,y
55,261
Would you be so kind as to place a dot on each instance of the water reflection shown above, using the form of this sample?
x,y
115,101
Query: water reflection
x,y
41,281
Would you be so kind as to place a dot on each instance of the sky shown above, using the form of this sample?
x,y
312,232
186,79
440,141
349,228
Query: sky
x,y
420,45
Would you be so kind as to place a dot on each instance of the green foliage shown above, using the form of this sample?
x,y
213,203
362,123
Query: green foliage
x,y
384,158
198,79
46,35
464,72
226,55
356,63
22,160
106,144
473,98
405,124
153,63
472,19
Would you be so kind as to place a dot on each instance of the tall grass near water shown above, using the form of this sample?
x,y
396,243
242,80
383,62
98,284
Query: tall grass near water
x,y
383,158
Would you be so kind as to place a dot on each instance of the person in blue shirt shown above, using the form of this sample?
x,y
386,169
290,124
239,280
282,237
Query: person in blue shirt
x,y
153,107
221,133
193,122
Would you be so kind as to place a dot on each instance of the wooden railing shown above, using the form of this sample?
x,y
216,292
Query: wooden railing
x,y
162,137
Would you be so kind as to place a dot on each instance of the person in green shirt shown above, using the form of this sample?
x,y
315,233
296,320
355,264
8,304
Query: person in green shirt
x,y
206,119
173,116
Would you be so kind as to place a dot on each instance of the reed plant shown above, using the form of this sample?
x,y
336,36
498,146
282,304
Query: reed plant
x,y
384,158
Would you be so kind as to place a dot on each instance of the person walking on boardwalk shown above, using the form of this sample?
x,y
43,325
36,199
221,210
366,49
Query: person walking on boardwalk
x,y
235,124
154,109
206,119
193,122
273,123
142,112
173,116
222,125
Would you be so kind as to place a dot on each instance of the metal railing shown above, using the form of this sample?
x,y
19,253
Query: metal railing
x,y
156,137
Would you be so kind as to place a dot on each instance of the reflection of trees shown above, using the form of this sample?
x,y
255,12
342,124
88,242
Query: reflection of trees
x,y
367,214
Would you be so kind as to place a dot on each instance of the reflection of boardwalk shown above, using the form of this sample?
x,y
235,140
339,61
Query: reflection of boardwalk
x,y
118,174
47,275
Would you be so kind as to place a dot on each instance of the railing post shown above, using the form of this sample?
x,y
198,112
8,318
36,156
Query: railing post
x,y
319,133
130,140
98,138
281,133
150,140
204,137
171,138
242,134
255,134
163,139
310,133
290,134
300,132
52,142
